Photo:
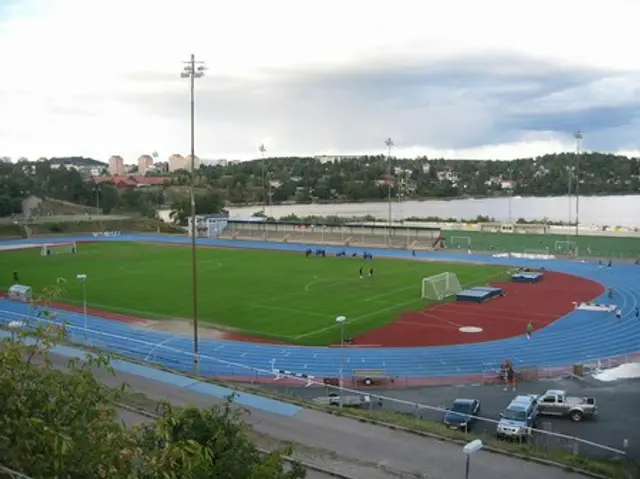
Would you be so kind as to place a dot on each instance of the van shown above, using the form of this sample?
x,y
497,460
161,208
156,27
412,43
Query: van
x,y
518,418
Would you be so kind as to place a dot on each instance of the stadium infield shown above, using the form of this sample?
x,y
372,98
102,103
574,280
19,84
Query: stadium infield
x,y
283,296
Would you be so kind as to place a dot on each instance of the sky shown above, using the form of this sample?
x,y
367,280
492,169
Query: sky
x,y
463,79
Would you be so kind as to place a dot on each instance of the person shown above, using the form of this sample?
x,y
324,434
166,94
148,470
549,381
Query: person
x,y
510,377
610,293
637,313
413,252
361,272
370,272
16,277
618,314
610,263
529,330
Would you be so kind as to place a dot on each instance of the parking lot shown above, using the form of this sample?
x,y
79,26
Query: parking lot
x,y
619,409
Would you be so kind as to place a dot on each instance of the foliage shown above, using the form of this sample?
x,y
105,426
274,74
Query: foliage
x,y
61,422
307,180
205,204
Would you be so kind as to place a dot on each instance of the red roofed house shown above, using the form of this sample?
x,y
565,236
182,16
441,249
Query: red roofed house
x,y
131,182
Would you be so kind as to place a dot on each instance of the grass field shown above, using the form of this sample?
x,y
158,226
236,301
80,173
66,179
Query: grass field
x,y
280,295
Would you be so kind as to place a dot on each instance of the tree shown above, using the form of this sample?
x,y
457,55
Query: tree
x,y
208,203
63,423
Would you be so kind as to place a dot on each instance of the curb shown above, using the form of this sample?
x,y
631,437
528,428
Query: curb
x,y
288,459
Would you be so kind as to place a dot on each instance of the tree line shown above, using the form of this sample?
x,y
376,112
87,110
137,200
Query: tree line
x,y
63,423
307,180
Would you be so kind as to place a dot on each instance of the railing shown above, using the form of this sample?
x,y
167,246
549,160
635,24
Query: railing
x,y
543,438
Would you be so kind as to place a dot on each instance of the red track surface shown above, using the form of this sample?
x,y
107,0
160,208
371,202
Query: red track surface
x,y
502,317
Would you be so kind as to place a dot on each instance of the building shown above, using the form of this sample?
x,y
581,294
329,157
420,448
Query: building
x,y
179,162
116,165
131,182
144,163
210,226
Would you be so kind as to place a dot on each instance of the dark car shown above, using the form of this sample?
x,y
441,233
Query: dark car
x,y
462,414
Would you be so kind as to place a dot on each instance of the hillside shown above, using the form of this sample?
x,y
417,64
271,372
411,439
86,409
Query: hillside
x,y
76,160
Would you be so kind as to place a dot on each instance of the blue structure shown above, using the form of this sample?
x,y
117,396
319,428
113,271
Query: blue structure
x,y
578,337
527,277
479,294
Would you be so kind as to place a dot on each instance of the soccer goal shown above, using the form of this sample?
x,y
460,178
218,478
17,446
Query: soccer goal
x,y
58,248
440,286
460,242
566,247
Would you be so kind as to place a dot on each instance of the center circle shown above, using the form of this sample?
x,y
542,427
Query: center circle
x,y
470,329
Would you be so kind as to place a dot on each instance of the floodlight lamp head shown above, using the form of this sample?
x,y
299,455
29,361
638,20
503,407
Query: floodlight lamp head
x,y
202,68
198,75
185,75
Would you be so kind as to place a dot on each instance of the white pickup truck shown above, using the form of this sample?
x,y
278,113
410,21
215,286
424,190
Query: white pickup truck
x,y
556,402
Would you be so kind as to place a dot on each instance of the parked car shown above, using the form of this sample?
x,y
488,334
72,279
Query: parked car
x,y
518,418
556,402
463,414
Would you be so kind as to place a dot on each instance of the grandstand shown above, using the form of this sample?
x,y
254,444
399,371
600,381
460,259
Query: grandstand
x,y
399,237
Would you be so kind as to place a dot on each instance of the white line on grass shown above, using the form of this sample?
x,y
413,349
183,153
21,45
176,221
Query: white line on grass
x,y
390,308
289,310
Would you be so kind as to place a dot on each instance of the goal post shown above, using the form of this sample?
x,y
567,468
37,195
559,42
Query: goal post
x,y
440,286
461,242
58,248
563,246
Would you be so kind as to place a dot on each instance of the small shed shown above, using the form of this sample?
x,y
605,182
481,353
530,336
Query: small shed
x,y
20,292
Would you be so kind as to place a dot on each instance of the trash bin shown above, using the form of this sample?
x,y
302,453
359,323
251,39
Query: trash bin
x,y
578,370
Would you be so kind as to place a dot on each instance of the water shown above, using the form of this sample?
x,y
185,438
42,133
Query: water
x,y
594,210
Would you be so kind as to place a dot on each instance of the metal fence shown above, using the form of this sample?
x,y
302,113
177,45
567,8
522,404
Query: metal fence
x,y
542,439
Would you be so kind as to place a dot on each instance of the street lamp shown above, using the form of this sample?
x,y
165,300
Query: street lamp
x,y
193,70
263,150
341,320
83,280
390,144
469,449
578,136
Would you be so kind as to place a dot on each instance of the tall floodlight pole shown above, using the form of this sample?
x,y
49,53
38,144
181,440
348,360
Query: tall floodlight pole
x,y
341,320
578,136
192,70
263,150
82,278
389,143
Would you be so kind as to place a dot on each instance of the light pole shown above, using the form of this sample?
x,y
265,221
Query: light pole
x,y
263,150
469,449
97,190
341,320
193,70
83,280
390,144
578,136
510,194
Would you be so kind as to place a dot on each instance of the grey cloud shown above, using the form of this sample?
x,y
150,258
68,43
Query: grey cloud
x,y
460,103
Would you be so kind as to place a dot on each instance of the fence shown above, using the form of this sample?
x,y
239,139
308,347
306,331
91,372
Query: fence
x,y
541,440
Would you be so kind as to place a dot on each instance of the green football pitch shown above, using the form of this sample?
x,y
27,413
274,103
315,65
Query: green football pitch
x,y
279,295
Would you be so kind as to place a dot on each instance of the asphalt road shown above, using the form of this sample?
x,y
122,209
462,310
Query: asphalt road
x,y
619,408
362,450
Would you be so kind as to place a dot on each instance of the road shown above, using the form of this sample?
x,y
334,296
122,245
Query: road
x,y
619,417
359,449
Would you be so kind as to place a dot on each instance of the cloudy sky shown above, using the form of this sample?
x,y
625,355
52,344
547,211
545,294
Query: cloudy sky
x,y
460,79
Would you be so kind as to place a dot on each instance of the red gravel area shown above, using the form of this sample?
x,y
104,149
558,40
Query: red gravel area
x,y
539,303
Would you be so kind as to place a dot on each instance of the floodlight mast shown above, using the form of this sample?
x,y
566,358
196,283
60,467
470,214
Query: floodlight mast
x,y
193,69
263,150
390,144
578,136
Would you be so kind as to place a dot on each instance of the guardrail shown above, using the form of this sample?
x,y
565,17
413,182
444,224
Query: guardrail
x,y
543,438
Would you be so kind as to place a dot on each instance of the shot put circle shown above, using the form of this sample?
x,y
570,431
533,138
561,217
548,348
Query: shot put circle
x,y
470,329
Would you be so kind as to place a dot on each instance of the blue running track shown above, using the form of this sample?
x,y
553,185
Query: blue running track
x,y
580,336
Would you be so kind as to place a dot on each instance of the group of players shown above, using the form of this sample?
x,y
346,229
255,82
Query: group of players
x,y
364,269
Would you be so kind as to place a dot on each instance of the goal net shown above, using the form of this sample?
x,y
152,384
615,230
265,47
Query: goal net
x,y
567,247
440,286
58,248
461,242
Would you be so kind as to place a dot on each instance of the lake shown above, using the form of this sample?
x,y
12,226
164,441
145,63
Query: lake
x,y
594,210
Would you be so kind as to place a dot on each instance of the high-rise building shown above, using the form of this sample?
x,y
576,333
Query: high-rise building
x,y
144,163
116,165
179,162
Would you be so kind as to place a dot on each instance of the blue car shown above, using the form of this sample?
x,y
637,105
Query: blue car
x,y
463,414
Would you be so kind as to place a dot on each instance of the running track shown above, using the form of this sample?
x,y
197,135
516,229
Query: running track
x,y
580,336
